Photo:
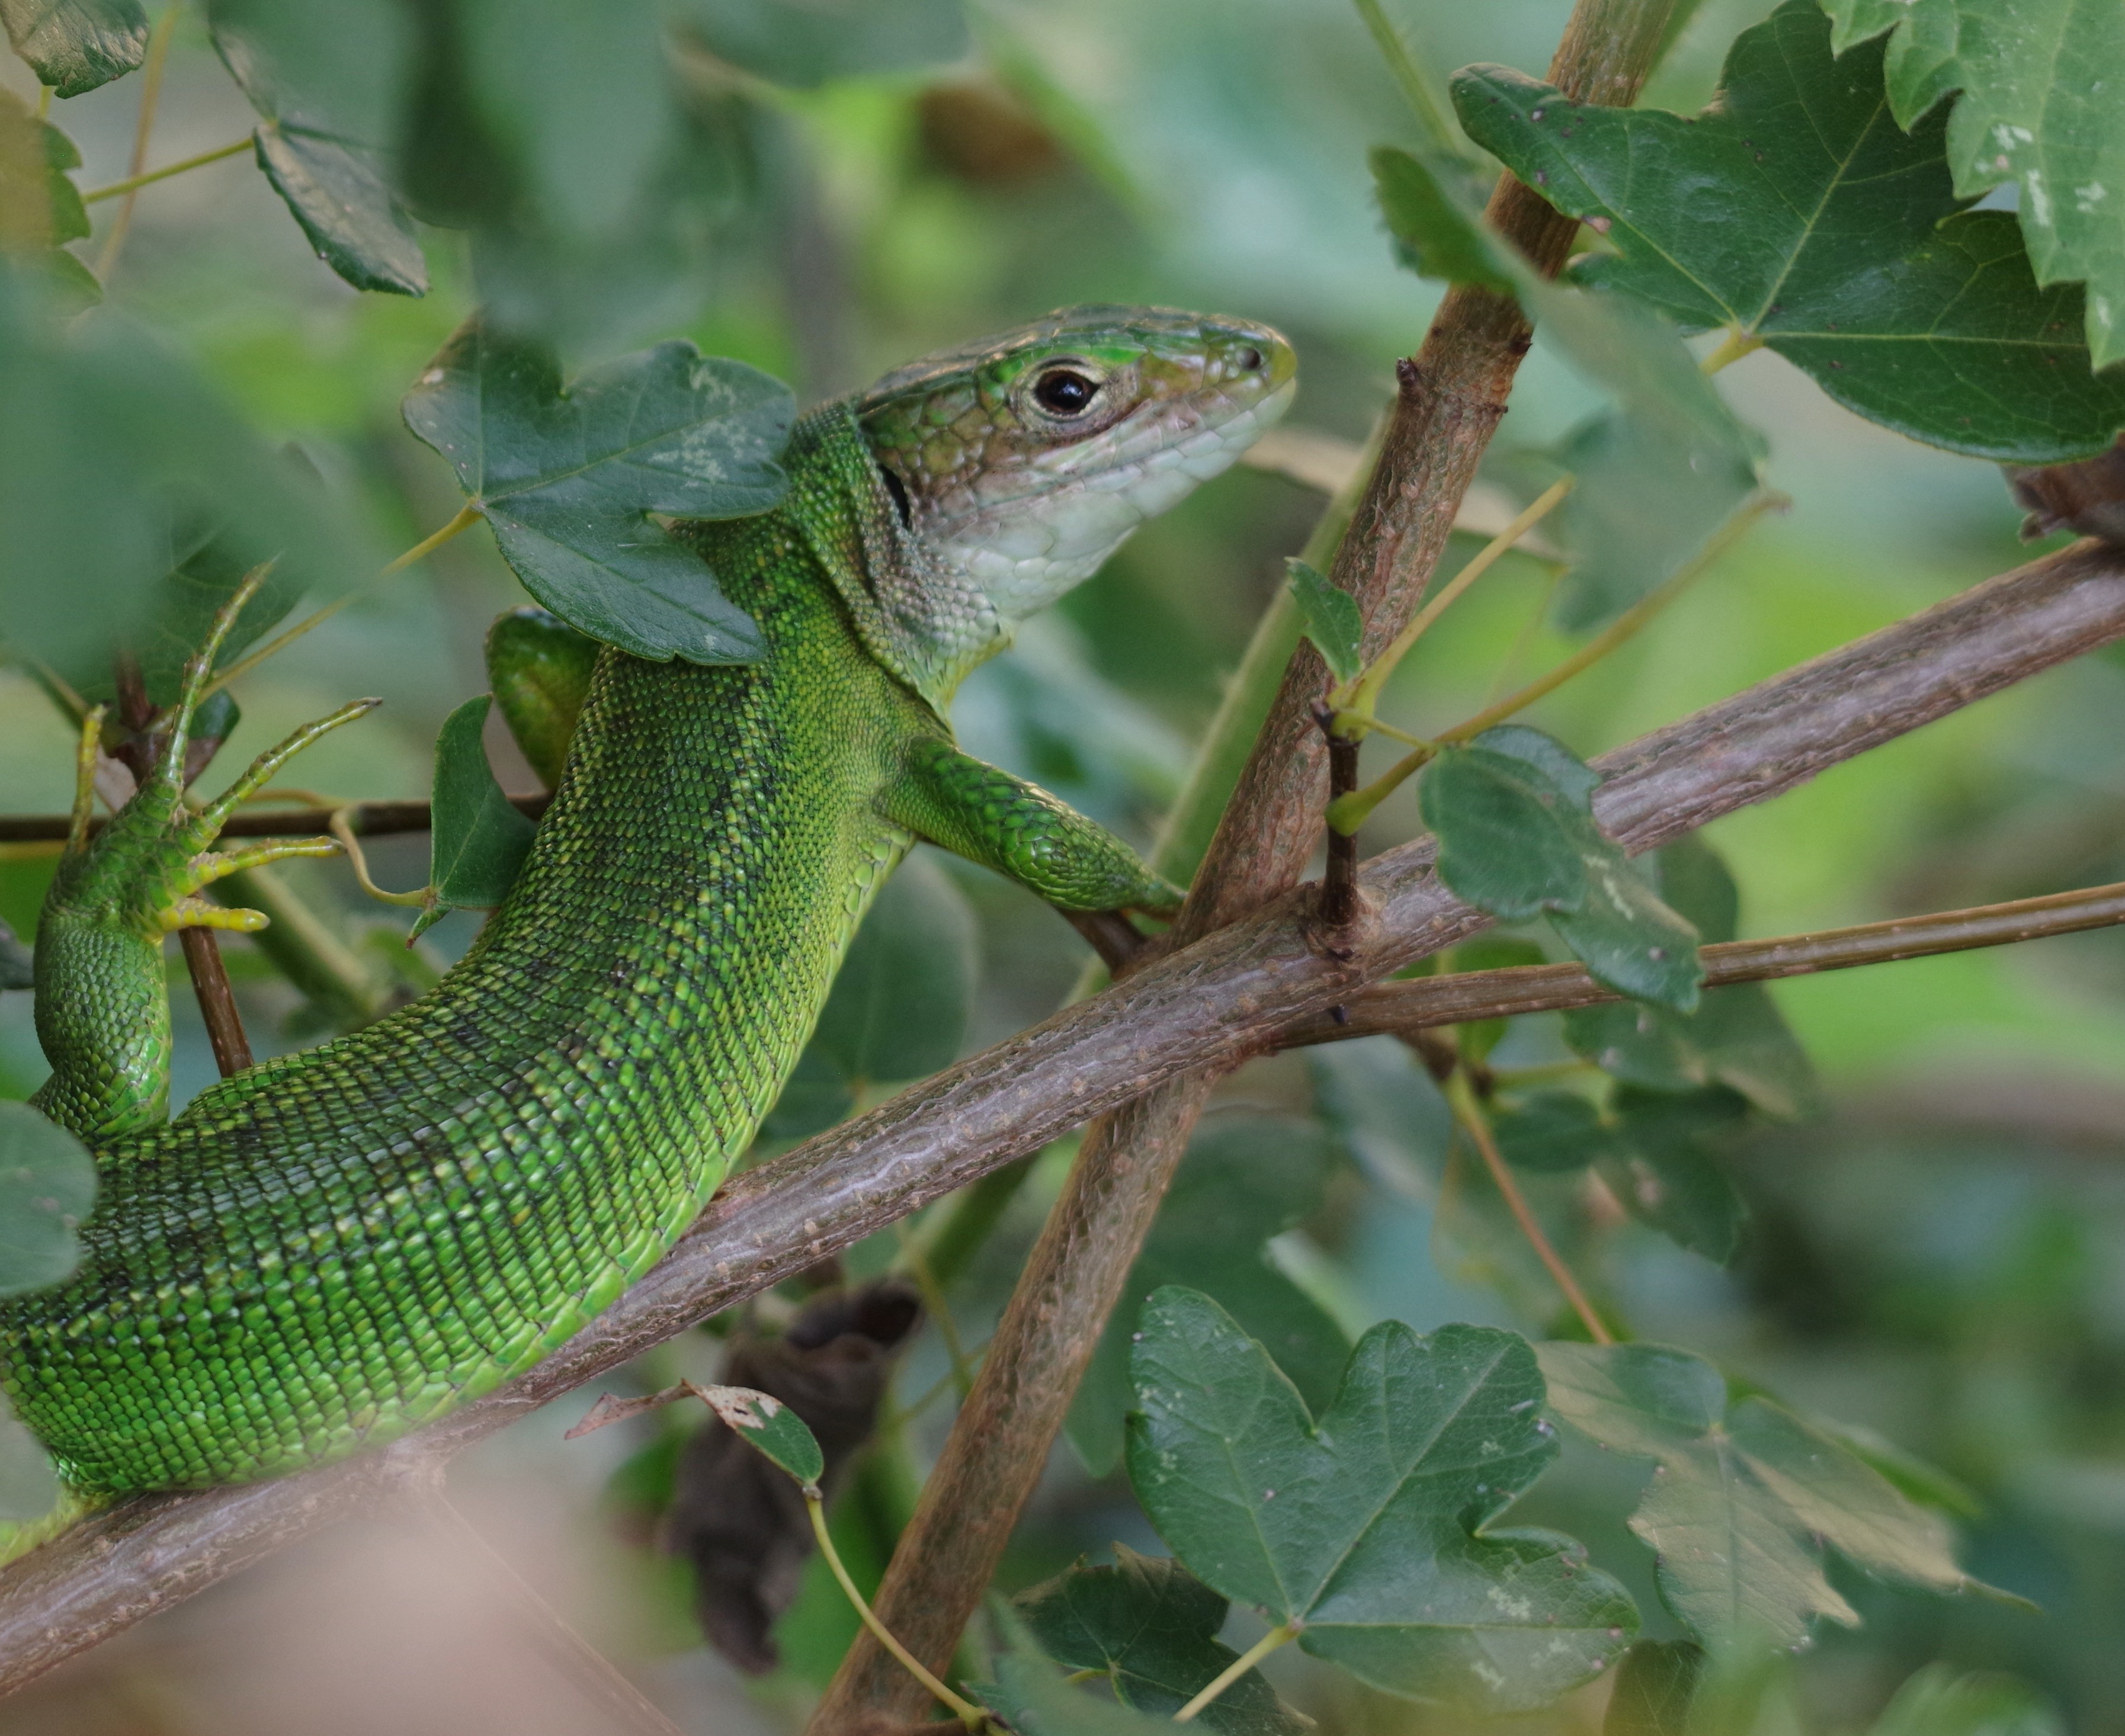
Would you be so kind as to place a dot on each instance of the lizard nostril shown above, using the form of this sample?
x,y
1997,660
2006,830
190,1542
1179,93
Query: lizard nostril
x,y
1249,359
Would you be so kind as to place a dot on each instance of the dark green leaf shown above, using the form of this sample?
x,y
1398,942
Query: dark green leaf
x,y
1516,836
325,83
771,1429
566,479
1503,844
480,841
1433,230
1745,1499
1369,1527
1937,1702
1331,618
1152,1631
1655,1685
1553,1132
807,42
1246,1178
74,45
1384,1111
1670,1170
110,442
47,1183
2036,107
1030,1695
1796,210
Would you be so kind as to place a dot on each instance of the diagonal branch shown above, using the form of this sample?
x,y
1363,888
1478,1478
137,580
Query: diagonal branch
x,y
1234,993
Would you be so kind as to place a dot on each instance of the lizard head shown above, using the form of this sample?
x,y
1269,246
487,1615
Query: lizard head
x,y
1020,463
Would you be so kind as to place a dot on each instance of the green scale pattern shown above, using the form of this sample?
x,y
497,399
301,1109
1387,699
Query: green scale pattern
x,y
321,1253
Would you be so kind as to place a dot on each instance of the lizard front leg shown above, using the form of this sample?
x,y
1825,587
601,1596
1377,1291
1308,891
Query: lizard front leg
x,y
984,813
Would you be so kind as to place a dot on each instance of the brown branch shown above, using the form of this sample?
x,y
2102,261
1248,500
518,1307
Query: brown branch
x,y
1394,1009
217,1000
371,819
1451,397
1233,994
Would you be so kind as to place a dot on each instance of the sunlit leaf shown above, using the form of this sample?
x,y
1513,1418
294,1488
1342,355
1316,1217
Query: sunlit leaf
x,y
568,477
1795,210
1246,1178
1745,1498
47,1184
1370,1526
1331,618
1152,1630
74,45
2038,107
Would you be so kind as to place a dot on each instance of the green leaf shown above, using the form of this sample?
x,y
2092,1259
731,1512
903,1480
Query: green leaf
x,y
75,45
325,83
568,477
1736,1037
1655,1684
1370,1526
1745,1498
899,1006
1384,1111
1794,209
1030,1695
1152,1630
1553,1132
1936,1701
2034,109
1513,816
541,669
792,42
47,1184
1924,1482
1331,618
480,840
1435,237
1660,471
1667,1166
109,442
771,1429
1246,1178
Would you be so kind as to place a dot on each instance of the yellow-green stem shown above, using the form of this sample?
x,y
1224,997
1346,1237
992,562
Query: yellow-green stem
x,y
1737,344
342,828
468,515
1283,1635
151,91
1467,1111
134,183
967,1713
1364,696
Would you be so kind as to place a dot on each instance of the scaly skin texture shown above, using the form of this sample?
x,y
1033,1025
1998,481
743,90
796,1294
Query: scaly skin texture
x,y
333,1247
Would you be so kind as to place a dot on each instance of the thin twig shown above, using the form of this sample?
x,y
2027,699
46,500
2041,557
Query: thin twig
x,y
368,819
143,128
1234,993
1476,1125
134,183
217,999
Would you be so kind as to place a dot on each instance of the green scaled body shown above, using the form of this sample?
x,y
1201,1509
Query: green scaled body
x,y
333,1247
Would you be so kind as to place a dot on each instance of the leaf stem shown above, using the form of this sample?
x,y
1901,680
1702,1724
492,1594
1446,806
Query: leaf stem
x,y
340,827
1470,1113
1364,695
134,183
1280,1635
151,92
467,516
1410,76
1737,344
968,1714
1349,812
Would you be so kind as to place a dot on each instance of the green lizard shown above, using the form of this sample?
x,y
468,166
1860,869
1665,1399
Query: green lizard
x,y
334,1247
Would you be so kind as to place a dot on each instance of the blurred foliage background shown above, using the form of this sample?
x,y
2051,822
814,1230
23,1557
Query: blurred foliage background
x,y
1937,1254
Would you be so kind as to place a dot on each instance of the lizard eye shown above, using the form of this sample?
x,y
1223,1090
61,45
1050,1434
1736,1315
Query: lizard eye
x,y
1064,392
